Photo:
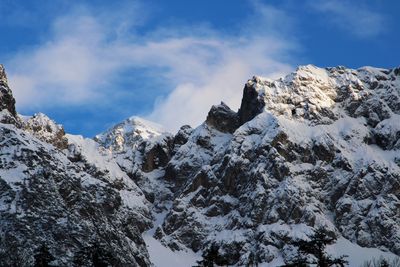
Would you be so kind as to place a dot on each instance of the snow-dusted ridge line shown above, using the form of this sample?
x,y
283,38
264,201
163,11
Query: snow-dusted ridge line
x,y
318,147
314,143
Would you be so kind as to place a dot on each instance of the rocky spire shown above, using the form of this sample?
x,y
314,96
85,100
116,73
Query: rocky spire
x,y
223,118
7,100
252,103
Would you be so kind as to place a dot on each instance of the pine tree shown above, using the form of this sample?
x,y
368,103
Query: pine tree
x,y
43,257
95,255
101,258
316,247
211,256
252,260
384,263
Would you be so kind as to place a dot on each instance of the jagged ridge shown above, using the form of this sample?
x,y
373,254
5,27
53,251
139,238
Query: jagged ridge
x,y
319,147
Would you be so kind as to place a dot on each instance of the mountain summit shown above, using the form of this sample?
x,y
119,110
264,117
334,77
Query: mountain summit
x,y
319,148
7,102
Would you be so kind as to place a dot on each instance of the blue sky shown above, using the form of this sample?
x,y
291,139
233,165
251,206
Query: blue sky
x,y
89,64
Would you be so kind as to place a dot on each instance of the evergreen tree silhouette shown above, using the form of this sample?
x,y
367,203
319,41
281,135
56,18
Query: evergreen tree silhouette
x,y
384,263
102,258
316,247
43,257
252,260
211,256
95,255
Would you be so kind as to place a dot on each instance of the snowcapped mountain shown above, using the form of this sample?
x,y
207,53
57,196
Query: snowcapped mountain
x,y
61,195
126,135
308,150
317,148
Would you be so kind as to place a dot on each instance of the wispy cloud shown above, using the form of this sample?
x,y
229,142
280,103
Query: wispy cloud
x,y
355,17
86,53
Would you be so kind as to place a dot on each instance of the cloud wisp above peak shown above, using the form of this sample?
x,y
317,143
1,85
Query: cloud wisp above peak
x,y
355,17
85,55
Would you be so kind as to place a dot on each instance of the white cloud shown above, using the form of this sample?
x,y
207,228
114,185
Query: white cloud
x,y
221,80
352,16
202,66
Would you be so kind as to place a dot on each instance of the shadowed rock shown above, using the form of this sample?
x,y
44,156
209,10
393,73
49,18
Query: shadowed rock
x,y
222,118
252,104
7,100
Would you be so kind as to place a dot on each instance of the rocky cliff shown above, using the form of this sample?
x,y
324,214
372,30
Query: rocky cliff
x,y
317,148
64,196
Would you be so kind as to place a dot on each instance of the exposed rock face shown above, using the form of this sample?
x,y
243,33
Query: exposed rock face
x,y
46,130
305,157
386,134
126,136
73,207
182,136
7,100
223,119
252,102
67,195
8,113
142,149
319,147
157,154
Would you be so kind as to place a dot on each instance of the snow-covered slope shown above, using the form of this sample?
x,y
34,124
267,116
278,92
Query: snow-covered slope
x,y
74,208
319,147
126,135
141,149
64,195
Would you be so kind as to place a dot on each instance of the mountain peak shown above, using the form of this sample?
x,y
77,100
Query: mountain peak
x,y
128,132
45,129
316,148
223,118
141,122
7,101
3,75
319,95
